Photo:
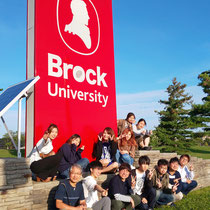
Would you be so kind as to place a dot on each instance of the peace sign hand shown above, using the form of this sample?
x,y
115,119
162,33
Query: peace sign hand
x,y
99,138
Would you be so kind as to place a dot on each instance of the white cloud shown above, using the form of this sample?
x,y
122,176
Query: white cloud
x,y
144,104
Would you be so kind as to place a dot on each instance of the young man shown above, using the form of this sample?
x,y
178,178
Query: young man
x,y
70,194
143,187
187,175
120,190
160,181
175,178
91,189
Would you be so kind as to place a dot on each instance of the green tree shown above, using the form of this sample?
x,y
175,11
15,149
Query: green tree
x,y
7,141
173,132
200,114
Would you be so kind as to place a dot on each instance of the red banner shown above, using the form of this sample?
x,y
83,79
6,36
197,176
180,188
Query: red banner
x,y
74,58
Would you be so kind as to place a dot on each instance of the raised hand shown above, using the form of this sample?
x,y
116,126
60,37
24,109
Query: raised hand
x,y
82,147
46,135
150,174
174,188
159,184
112,138
191,168
177,180
100,138
133,181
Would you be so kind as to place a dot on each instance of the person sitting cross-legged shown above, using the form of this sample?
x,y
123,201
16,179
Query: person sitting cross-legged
x,y
91,189
187,174
70,194
121,190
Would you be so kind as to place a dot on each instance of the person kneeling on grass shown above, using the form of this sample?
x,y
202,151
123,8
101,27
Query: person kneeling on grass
x,y
175,178
121,190
160,181
91,189
187,175
143,186
70,194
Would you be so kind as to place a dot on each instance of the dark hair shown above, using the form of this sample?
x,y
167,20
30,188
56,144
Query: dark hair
x,y
51,127
95,164
110,132
144,160
174,159
125,166
142,120
75,136
129,115
162,162
185,155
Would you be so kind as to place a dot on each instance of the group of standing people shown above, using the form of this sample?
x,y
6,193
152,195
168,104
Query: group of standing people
x,y
131,188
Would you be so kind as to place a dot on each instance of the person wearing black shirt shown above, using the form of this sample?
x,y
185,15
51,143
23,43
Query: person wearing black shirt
x,y
120,190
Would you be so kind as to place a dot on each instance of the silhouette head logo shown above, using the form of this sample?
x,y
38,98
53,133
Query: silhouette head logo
x,y
77,25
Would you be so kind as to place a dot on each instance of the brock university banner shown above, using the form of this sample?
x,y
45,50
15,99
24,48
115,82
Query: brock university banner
x,y
70,46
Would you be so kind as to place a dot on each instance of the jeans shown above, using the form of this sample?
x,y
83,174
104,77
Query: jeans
x,y
186,188
163,198
82,162
126,158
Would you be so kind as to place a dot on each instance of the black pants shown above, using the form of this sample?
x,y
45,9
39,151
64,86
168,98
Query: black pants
x,y
46,167
150,196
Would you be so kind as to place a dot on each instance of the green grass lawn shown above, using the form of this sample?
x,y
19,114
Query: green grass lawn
x,y
10,153
196,200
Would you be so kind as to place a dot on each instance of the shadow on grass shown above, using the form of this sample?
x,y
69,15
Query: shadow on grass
x,y
199,151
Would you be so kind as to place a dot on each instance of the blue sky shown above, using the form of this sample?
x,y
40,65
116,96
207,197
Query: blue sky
x,y
154,42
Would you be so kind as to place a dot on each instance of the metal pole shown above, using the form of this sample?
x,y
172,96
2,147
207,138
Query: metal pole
x,y
19,127
13,142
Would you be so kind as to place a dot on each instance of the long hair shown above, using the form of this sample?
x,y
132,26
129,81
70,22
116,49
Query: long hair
x,y
110,132
131,141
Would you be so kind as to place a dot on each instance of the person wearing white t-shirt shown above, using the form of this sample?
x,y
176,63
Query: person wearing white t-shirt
x,y
187,174
142,135
40,167
91,189
44,147
143,186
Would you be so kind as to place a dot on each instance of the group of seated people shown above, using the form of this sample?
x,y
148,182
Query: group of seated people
x,y
138,188
132,188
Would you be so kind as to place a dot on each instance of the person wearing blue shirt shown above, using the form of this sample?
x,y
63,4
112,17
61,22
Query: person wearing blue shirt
x,y
70,192
175,178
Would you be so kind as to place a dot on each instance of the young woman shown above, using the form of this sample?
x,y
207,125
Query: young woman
x,y
72,155
44,147
44,162
126,147
122,124
142,135
105,150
